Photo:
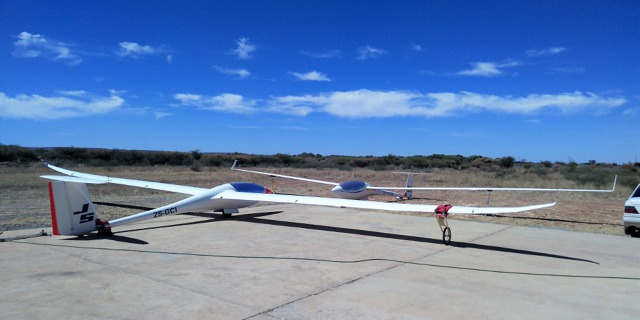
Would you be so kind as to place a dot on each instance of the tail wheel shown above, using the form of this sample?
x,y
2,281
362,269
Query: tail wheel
x,y
446,236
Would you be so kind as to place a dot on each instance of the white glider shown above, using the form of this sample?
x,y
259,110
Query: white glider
x,y
353,189
356,189
73,213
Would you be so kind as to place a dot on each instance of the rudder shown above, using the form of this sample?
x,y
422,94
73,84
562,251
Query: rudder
x,y
409,192
72,211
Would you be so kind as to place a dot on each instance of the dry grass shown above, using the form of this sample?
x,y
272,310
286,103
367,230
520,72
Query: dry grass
x,y
24,200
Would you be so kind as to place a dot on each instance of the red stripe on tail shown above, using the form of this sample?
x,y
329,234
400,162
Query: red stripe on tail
x,y
54,220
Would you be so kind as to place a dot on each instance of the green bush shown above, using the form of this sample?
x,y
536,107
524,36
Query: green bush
x,y
590,173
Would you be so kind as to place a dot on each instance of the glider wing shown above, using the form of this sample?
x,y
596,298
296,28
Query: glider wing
x,y
74,176
375,205
613,188
233,167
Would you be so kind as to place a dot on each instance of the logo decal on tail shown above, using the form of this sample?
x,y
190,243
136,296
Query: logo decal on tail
x,y
87,216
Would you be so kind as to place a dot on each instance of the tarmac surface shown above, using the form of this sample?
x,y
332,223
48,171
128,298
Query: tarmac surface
x,y
302,262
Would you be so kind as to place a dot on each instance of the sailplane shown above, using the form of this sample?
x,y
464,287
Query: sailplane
x,y
352,189
358,189
73,212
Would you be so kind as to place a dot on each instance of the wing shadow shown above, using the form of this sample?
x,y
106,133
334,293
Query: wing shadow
x,y
255,218
556,220
115,237
385,235
212,217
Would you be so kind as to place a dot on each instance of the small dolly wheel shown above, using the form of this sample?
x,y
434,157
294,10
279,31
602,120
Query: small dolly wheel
x,y
446,236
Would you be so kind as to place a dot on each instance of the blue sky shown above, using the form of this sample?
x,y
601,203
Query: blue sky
x,y
536,80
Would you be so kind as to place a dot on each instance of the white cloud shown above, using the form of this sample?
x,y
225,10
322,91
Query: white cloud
x,y
448,104
322,55
345,104
74,93
569,70
296,105
311,76
631,112
416,47
188,98
368,52
382,104
37,46
159,114
70,105
370,104
488,69
244,48
135,50
545,52
297,128
244,127
225,102
240,73
484,69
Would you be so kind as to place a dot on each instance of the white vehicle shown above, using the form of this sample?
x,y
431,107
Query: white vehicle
x,y
631,216
73,212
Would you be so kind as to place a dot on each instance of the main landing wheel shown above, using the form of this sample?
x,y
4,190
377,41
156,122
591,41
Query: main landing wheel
x,y
446,236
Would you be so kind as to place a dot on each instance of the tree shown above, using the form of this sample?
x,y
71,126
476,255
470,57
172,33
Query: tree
x,y
506,162
196,155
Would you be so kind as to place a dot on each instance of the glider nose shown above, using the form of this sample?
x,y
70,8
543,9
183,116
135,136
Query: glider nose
x,y
351,190
340,192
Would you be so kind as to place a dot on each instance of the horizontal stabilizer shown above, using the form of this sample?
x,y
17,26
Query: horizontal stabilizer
x,y
73,179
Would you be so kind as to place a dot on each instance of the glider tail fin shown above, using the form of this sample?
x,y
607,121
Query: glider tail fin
x,y
409,193
72,211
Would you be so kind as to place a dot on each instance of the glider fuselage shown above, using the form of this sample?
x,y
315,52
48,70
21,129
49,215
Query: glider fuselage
x,y
209,200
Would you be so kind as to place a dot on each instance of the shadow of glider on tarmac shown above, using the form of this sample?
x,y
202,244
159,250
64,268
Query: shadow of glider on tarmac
x,y
256,218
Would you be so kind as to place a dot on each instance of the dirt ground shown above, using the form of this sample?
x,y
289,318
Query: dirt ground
x,y
24,199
